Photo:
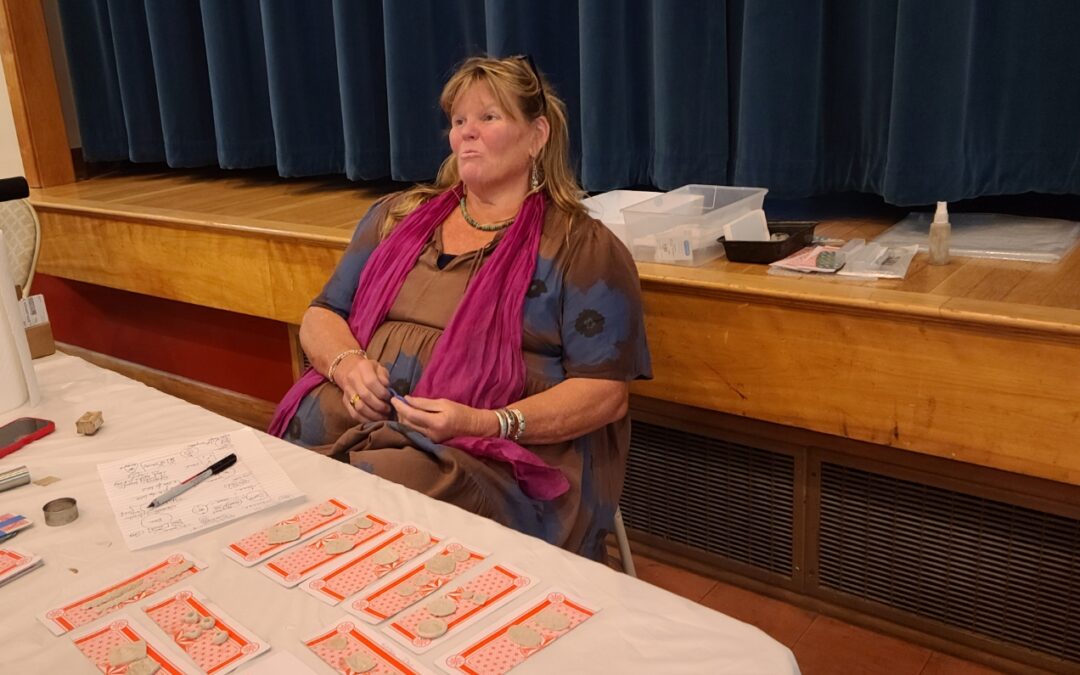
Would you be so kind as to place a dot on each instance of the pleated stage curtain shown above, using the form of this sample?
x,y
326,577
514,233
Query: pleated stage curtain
x,y
914,100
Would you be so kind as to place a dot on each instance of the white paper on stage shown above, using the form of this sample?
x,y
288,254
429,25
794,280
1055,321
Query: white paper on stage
x,y
18,384
254,483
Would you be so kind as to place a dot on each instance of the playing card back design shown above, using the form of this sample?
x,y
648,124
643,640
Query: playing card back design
x,y
98,644
194,624
291,567
472,601
499,651
170,571
256,546
345,639
390,598
355,574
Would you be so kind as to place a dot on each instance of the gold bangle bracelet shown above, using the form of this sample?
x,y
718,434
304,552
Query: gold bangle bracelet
x,y
341,357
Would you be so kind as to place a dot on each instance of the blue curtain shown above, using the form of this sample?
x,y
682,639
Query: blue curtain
x,y
914,100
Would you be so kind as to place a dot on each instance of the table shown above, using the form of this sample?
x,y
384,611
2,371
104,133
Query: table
x,y
640,628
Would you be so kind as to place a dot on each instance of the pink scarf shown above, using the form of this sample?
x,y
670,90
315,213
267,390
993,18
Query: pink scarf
x,y
477,361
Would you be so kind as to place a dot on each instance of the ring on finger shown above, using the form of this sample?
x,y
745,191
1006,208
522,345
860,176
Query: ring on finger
x,y
354,399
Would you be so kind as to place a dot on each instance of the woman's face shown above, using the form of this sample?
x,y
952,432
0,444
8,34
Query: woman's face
x,y
493,149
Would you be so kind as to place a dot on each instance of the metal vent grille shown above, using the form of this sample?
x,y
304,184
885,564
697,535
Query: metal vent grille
x,y
724,498
1004,571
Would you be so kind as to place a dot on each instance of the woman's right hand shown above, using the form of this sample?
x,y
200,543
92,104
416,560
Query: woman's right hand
x,y
364,385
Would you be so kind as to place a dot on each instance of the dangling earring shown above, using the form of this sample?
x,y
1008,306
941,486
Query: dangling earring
x,y
534,178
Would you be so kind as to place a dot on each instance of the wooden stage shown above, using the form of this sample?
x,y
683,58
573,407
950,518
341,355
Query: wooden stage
x,y
977,361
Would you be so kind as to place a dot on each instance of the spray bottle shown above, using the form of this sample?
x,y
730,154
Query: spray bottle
x,y
939,235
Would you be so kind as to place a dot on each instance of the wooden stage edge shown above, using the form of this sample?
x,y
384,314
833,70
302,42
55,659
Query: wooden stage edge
x,y
977,361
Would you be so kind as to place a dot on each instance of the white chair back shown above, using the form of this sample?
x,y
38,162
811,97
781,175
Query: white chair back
x,y
22,232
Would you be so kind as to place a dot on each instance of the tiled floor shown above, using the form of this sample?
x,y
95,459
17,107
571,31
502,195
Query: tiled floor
x,y
822,645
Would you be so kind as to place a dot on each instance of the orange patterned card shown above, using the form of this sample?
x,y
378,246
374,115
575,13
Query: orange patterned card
x,y
415,583
293,566
15,563
349,649
516,640
99,644
371,564
461,606
209,637
86,609
256,546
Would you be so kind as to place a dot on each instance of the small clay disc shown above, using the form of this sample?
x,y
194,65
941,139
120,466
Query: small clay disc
x,y
386,556
363,522
147,666
283,533
220,637
406,589
441,564
442,607
337,643
338,545
462,554
552,620
127,653
327,509
417,539
523,636
207,622
360,662
431,628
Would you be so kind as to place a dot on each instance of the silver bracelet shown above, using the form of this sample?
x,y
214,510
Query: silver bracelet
x,y
504,423
519,430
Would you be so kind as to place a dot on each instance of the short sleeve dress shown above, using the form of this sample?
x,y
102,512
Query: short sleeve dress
x,y
582,319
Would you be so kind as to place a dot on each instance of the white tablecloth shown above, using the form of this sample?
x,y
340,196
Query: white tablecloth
x,y
639,629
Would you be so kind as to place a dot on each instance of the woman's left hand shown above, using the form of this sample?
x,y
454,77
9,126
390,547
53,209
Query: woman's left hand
x,y
441,419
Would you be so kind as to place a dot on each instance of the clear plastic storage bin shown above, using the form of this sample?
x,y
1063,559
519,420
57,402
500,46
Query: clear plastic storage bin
x,y
608,209
682,226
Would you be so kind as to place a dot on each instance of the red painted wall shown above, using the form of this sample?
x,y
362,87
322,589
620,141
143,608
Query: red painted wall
x,y
246,354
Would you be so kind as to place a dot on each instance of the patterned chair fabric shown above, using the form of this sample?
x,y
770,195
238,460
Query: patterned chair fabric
x,y
22,235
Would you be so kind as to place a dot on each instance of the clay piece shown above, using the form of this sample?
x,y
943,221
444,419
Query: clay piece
x,y
550,619
327,509
283,533
360,662
190,616
219,637
174,569
431,628
523,636
442,607
466,594
147,666
441,564
193,633
349,528
207,622
363,522
337,643
387,556
419,539
480,598
126,653
462,554
406,589
338,545
89,423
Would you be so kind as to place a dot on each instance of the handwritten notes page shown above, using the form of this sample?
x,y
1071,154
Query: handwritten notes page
x,y
254,483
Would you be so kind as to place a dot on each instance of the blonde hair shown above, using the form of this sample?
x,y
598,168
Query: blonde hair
x,y
522,92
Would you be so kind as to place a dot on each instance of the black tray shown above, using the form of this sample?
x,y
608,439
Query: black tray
x,y
800,235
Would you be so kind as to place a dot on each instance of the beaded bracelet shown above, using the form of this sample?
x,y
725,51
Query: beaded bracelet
x,y
339,358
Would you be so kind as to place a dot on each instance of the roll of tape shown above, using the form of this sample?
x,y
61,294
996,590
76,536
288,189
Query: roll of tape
x,y
60,511
13,478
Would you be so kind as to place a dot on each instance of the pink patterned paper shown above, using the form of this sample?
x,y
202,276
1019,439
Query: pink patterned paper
x,y
256,547
355,574
10,559
357,640
240,646
496,653
495,587
291,567
82,611
97,645
385,601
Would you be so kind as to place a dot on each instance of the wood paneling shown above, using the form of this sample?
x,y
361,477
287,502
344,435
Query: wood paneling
x,y
35,100
977,360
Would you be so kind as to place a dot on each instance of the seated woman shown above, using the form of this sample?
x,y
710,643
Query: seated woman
x,y
477,339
